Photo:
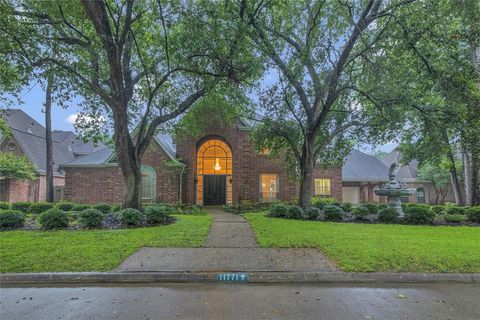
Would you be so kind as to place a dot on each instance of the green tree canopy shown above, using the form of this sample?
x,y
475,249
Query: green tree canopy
x,y
16,167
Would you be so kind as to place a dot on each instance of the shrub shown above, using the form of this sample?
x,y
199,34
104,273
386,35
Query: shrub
x,y
419,215
40,207
103,208
21,206
455,210
53,219
116,207
473,214
388,215
346,207
321,202
157,214
130,217
90,218
456,218
81,207
64,206
333,213
279,211
4,205
312,213
360,213
438,209
295,212
11,219
372,208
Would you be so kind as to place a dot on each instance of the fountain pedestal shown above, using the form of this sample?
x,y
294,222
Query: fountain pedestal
x,y
394,190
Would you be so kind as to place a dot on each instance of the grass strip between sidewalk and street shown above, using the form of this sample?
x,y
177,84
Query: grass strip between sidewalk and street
x,y
94,250
356,247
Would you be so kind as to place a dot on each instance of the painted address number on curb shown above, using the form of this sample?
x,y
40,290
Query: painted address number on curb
x,y
233,277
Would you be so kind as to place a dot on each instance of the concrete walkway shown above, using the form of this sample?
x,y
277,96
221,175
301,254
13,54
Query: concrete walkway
x,y
230,246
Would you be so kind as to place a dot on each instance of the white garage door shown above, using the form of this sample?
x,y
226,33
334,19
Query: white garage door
x,y
351,194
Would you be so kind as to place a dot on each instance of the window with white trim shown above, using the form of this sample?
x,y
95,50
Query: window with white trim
x,y
323,187
149,184
269,187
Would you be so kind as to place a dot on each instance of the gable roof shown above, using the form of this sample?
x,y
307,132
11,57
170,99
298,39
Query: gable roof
x,y
406,173
106,156
30,135
360,167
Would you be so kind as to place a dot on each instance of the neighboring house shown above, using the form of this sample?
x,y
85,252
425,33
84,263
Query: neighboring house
x,y
28,138
408,174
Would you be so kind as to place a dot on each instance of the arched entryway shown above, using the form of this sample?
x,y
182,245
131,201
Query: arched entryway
x,y
214,172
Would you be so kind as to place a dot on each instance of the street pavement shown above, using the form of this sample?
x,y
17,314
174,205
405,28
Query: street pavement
x,y
242,301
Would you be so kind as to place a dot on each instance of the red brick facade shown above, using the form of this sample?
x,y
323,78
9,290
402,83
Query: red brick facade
x,y
104,184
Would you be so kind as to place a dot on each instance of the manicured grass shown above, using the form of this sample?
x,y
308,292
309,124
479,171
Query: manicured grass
x,y
93,250
369,247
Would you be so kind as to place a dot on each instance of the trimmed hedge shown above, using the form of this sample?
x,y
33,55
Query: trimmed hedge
x,y
103,208
439,210
312,213
455,210
388,215
21,206
419,215
372,208
90,218
65,206
295,212
456,218
360,213
346,207
130,217
4,205
321,202
40,207
473,214
11,219
157,214
333,213
53,219
116,207
279,210
81,207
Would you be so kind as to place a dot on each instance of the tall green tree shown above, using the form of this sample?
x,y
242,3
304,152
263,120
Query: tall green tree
x,y
138,62
315,47
16,167
427,67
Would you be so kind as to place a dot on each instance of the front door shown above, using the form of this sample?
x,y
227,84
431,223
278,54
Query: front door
x,y
214,189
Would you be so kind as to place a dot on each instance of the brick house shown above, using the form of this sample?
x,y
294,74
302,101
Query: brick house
x,y
28,138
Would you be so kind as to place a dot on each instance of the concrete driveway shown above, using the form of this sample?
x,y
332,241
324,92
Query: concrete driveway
x,y
247,301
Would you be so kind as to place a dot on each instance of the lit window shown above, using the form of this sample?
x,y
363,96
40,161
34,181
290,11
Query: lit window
x,y
149,184
268,187
322,187
420,195
265,151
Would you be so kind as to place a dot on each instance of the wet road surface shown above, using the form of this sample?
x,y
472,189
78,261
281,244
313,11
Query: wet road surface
x,y
242,301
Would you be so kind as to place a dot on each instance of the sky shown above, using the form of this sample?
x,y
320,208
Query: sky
x,y
63,119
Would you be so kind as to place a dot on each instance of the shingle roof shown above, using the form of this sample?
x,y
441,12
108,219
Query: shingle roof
x,y
30,135
405,173
360,166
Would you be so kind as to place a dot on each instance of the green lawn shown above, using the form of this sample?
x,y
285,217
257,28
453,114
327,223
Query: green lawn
x,y
369,247
93,250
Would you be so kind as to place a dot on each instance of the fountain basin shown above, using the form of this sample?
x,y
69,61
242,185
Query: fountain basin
x,y
394,192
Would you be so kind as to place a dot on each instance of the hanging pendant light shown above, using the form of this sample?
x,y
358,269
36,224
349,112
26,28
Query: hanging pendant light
x,y
217,166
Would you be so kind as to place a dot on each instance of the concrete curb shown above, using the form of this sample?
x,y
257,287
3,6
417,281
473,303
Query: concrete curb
x,y
254,277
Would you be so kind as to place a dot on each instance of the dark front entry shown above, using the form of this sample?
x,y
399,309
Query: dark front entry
x,y
214,189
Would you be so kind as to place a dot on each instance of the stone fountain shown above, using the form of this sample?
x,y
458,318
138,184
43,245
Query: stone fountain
x,y
393,190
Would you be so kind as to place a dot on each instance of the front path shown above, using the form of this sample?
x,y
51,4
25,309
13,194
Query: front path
x,y
230,246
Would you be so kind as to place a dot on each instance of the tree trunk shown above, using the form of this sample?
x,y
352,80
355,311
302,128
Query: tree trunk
x,y
456,185
307,166
48,140
128,160
467,176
